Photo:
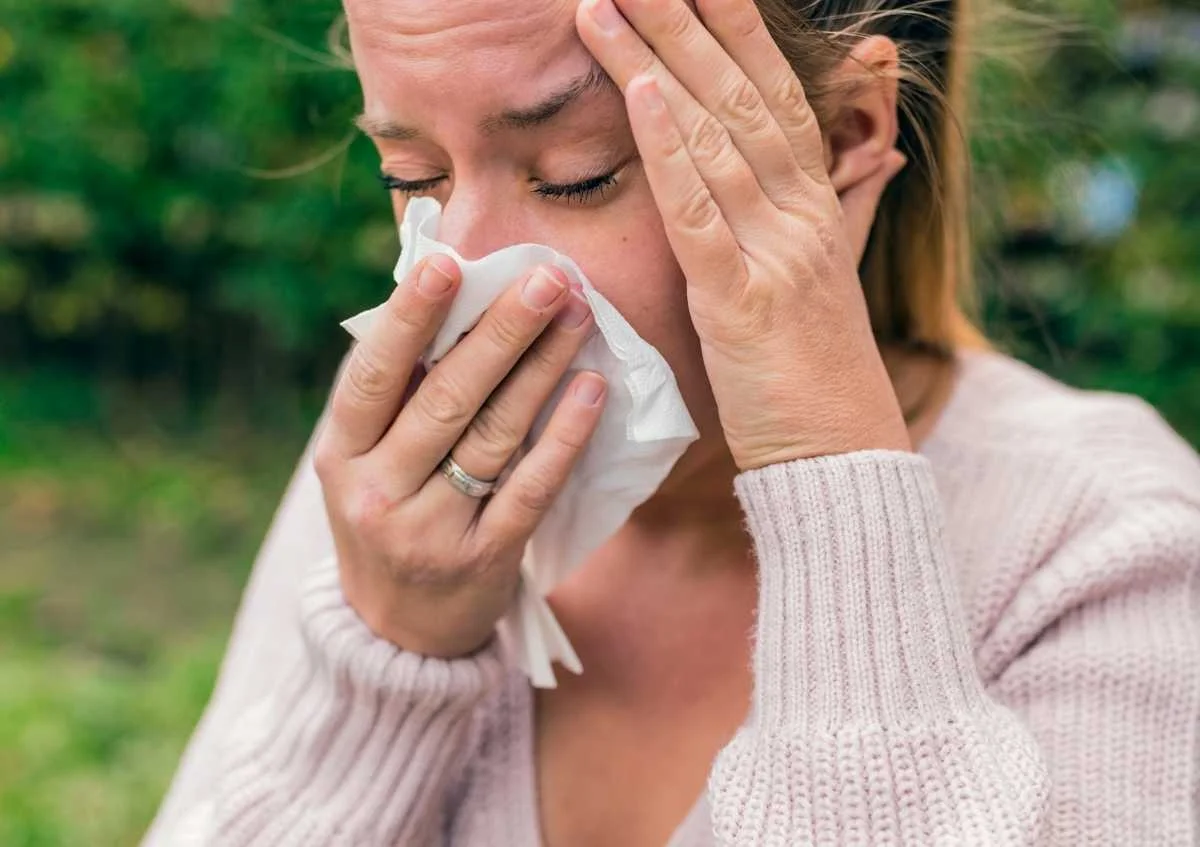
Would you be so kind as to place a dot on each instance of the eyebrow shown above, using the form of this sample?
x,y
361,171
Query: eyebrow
x,y
596,79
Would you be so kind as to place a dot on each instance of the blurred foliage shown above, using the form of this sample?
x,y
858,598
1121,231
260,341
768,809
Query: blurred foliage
x,y
137,243
120,567
140,242
1089,201
169,309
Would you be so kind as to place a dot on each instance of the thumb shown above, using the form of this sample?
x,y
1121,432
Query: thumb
x,y
860,202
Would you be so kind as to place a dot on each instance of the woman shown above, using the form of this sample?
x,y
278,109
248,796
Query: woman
x,y
902,590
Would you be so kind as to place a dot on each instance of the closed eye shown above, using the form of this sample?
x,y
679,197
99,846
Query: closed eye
x,y
581,191
409,187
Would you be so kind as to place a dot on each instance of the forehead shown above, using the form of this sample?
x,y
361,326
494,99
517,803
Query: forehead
x,y
446,40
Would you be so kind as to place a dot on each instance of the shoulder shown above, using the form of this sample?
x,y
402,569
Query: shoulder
x,y
1004,411
1054,497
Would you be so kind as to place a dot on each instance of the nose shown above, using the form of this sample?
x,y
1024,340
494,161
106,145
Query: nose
x,y
475,224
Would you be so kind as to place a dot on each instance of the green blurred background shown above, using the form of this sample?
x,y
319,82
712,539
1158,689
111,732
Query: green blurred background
x,y
169,305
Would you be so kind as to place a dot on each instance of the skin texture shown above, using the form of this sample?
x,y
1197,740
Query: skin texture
x,y
730,241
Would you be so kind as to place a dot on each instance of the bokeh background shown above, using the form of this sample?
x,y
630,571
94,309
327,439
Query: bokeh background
x,y
184,218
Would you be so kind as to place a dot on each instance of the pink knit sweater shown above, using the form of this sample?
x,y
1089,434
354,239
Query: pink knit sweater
x,y
996,641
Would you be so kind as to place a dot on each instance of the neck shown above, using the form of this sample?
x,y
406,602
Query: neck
x,y
666,603
694,516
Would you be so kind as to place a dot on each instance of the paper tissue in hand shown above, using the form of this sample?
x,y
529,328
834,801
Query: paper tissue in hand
x,y
644,429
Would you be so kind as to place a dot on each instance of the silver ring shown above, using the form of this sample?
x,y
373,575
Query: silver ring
x,y
463,481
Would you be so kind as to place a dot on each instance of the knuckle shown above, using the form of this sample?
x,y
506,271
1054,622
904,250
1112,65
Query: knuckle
x,y
677,22
790,92
729,172
673,147
403,314
708,138
698,212
573,437
326,459
744,105
367,380
550,356
798,119
507,334
536,491
444,403
743,19
492,435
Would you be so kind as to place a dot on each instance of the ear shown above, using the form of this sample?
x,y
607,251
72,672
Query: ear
x,y
860,140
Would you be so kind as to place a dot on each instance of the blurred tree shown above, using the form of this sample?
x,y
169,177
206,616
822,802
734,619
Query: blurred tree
x,y
1093,205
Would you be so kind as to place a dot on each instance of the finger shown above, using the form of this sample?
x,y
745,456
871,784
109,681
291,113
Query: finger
x,y
456,387
520,504
687,50
738,27
503,424
703,243
625,56
371,388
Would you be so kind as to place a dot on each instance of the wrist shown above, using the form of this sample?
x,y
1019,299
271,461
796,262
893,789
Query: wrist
x,y
445,626
827,433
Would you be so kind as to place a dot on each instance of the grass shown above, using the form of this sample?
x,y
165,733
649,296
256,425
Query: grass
x,y
121,563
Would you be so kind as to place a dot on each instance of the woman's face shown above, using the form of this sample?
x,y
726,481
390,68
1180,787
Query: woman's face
x,y
495,108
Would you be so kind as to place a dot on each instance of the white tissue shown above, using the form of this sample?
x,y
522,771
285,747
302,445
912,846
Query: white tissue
x,y
644,429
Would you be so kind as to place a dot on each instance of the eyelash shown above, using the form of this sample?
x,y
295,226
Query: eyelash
x,y
575,192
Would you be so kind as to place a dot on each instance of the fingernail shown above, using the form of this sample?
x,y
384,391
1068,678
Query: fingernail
x,y
434,281
542,288
589,389
575,313
605,14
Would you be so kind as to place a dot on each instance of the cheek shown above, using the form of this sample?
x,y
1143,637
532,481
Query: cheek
x,y
625,254
630,262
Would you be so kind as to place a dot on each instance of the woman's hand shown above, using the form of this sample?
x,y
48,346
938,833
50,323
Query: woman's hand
x,y
426,566
735,159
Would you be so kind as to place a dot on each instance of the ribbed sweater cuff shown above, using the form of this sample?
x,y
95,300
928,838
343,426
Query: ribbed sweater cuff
x,y
355,747
343,644
858,620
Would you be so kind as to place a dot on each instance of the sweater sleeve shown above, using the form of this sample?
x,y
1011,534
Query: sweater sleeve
x,y
1106,672
358,746
870,723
